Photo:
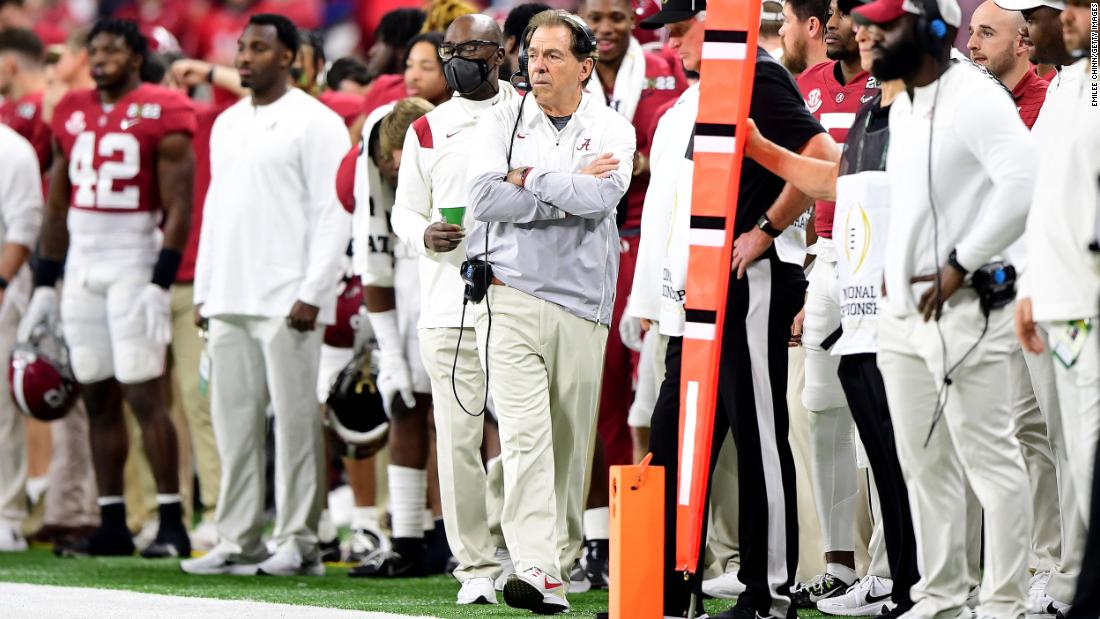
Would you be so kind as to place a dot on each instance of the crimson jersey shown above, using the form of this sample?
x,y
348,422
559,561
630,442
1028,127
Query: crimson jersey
x,y
345,178
112,150
347,105
25,118
834,105
664,82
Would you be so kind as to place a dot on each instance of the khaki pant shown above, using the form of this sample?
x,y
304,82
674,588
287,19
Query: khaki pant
x,y
189,403
462,476
255,361
811,549
13,442
544,367
723,549
975,441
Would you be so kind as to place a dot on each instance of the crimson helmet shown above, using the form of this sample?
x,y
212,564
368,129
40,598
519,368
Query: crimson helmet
x,y
354,413
42,383
349,315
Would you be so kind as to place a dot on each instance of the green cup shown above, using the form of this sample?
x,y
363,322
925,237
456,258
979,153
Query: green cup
x,y
454,214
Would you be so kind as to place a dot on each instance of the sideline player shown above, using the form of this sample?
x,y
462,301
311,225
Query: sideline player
x,y
122,154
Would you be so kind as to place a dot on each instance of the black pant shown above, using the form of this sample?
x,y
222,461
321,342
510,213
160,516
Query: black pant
x,y
866,395
752,401
1086,603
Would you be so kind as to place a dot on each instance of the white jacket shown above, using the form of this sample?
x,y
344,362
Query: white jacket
x,y
433,175
20,207
273,229
1063,277
661,272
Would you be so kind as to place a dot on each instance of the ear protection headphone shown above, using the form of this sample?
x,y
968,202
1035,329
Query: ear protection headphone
x,y
587,44
931,29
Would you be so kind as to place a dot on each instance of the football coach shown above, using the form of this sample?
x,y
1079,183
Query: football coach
x,y
543,188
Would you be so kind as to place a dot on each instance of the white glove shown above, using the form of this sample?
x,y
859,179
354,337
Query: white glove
x,y
43,308
394,377
630,332
645,396
156,303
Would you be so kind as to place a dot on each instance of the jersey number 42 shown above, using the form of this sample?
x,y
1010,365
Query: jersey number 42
x,y
96,188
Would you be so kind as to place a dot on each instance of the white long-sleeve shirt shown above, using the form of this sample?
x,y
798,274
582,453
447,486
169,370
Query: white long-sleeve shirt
x,y
1063,277
434,158
20,190
666,217
983,171
273,230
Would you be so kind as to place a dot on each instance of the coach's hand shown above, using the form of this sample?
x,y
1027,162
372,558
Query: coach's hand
x,y
950,281
1026,332
602,166
754,142
747,248
200,321
796,329
443,237
303,316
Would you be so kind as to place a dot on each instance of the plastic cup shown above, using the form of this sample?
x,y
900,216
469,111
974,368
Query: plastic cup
x,y
454,214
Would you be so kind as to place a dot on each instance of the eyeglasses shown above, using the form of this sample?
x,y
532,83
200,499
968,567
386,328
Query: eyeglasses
x,y
466,49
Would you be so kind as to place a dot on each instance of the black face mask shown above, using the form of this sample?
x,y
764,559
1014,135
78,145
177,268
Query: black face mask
x,y
465,76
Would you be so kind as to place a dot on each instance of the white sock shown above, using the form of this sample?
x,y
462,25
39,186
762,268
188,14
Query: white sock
x,y
326,531
104,501
597,523
365,518
166,499
408,496
843,572
429,520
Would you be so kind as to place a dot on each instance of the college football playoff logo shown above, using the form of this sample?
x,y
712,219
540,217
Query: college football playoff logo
x,y
857,242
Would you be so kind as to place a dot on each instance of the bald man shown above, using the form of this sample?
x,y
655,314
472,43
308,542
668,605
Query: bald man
x,y
432,180
996,44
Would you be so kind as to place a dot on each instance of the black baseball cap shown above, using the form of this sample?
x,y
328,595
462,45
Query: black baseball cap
x,y
673,11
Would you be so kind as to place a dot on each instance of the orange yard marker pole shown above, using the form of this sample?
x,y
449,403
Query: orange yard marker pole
x,y
725,92
637,553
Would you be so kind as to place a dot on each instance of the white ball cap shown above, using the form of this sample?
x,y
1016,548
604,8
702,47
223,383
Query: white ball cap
x,y
1026,5
949,10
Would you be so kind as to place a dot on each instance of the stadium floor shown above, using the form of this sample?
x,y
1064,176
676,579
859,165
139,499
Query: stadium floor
x,y
431,597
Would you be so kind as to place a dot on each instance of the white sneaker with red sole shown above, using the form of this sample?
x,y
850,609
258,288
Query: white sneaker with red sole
x,y
536,591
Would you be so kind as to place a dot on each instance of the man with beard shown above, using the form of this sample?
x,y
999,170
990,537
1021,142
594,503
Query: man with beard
x,y
803,34
834,91
996,44
431,182
1059,294
961,166
1042,33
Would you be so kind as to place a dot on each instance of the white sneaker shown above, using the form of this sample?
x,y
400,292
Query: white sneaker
x,y
578,579
972,600
477,591
11,539
362,543
204,537
288,561
725,587
507,567
536,591
863,599
218,561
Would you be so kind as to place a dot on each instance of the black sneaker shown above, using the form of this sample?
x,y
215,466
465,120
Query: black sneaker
x,y
740,610
597,553
171,541
103,543
822,587
330,551
388,564
891,613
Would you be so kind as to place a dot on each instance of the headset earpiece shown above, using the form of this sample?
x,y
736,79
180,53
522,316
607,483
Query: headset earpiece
x,y
588,47
931,29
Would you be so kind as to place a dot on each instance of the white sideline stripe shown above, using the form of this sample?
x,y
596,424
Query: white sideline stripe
x,y
717,50
687,460
706,237
18,601
714,144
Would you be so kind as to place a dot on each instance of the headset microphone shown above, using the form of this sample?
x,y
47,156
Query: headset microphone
x,y
521,79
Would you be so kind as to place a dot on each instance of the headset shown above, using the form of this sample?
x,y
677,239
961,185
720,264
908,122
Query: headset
x,y
931,29
579,26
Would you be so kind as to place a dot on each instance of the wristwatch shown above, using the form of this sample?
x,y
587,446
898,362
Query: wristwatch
x,y
766,225
953,260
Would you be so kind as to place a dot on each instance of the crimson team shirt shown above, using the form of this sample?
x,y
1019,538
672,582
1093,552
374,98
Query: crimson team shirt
x,y
384,89
24,116
664,82
834,105
1029,96
112,150
347,105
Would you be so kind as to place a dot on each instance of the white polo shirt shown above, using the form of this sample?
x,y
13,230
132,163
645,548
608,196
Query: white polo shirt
x,y
273,229
438,147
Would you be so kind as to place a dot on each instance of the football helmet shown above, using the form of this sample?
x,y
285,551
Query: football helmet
x,y
42,383
354,413
349,314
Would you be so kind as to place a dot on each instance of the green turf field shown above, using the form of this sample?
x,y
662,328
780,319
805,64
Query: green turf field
x,y
424,596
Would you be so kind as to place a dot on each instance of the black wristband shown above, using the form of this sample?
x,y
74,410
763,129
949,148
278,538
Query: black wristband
x,y
168,263
765,224
953,260
210,75
3,283
46,271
